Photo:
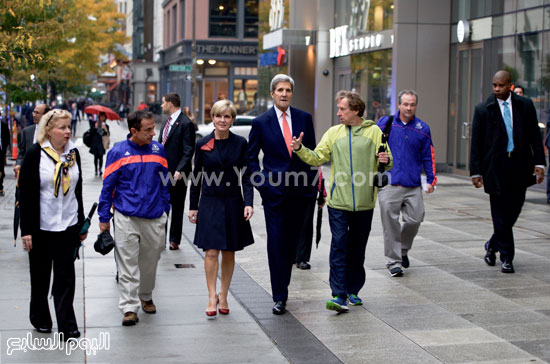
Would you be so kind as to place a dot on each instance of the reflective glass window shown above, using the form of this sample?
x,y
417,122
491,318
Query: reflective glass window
x,y
371,76
530,21
251,18
223,18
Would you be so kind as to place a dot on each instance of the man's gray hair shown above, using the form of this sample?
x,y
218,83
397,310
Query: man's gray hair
x,y
407,92
281,78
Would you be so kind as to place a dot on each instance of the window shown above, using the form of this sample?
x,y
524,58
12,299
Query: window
x,y
223,18
251,19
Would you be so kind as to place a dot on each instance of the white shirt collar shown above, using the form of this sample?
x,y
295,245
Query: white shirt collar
x,y
174,117
279,112
68,147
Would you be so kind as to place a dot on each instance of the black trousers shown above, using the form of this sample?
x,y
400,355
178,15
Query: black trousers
x,y
57,249
505,210
303,251
177,200
283,224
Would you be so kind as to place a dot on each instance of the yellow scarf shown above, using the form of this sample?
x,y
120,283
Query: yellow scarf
x,y
61,175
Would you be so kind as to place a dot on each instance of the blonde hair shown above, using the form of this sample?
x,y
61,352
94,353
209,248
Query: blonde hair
x,y
221,106
47,123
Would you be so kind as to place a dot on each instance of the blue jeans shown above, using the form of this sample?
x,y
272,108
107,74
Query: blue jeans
x,y
350,233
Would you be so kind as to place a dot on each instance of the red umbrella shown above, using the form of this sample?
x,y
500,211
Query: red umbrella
x,y
96,109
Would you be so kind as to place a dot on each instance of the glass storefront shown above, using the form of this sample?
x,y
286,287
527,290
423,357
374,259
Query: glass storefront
x,y
371,77
519,42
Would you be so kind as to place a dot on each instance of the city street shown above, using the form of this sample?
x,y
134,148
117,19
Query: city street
x,y
449,307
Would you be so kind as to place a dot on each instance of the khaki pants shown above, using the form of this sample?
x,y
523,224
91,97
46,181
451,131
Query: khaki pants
x,y
396,202
139,243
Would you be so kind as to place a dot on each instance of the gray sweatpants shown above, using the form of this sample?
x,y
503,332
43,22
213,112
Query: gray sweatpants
x,y
139,243
398,238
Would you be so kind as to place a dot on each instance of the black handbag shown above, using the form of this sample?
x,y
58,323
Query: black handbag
x,y
104,243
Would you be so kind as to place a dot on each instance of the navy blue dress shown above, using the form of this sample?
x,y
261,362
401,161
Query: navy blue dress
x,y
217,194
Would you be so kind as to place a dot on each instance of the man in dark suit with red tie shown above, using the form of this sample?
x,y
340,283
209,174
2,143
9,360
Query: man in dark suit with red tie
x,y
177,134
506,157
285,183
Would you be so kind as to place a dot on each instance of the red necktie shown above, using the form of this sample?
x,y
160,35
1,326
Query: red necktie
x,y
165,132
287,134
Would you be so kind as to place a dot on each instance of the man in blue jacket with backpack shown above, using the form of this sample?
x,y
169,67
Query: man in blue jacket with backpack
x,y
410,142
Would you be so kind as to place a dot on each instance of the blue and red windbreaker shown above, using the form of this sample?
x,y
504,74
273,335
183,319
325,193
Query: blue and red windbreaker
x,y
412,148
132,181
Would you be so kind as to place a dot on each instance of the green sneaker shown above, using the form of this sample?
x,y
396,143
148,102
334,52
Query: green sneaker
x,y
337,304
354,300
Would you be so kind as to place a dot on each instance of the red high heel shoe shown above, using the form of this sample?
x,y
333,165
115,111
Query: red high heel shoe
x,y
212,314
223,311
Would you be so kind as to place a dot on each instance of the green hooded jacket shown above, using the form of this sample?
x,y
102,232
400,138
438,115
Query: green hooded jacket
x,y
352,152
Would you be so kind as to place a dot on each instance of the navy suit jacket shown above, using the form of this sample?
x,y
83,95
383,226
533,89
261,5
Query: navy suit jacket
x,y
266,136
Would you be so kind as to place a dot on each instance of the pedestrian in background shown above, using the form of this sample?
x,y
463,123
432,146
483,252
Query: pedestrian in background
x,y
352,147
506,157
410,142
547,144
178,138
221,214
518,90
28,136
187,112
5,137
74,118
99,134
52,214
284,200
132,185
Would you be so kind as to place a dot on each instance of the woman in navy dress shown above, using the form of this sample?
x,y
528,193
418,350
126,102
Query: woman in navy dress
x,y
216,202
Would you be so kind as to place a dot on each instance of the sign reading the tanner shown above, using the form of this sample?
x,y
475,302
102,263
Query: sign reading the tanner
x,y
242,50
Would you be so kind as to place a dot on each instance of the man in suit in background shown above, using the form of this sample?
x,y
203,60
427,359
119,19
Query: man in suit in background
x,y
4,145
284,197
177,134
28,137
547,144
506,157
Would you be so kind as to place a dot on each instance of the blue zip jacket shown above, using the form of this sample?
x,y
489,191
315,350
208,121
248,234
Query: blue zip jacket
x,y
412,148
132,181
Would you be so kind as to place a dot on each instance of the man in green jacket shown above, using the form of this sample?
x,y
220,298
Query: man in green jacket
x,y
352,148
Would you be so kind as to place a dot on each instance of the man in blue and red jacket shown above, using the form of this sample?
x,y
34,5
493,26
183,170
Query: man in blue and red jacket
x,y
410,142
134,184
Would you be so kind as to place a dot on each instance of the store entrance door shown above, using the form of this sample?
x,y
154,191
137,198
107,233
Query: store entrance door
x,y
468,95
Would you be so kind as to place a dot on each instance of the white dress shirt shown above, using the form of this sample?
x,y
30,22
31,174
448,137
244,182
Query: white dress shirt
x,y
173,119
57,213
280,119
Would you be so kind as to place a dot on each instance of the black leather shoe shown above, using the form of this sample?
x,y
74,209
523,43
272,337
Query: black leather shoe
x,y
507,267
303,265
490,255
279,308
71,334
405,261
44,330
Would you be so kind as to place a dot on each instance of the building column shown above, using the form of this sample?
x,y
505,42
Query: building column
x,y
421,61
